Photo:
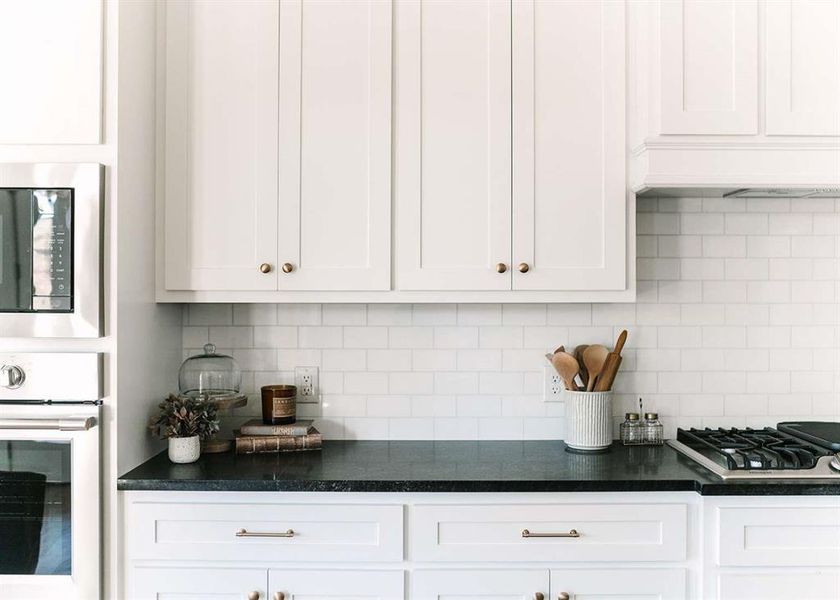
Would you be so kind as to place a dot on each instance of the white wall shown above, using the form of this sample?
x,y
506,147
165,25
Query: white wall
x,y
735,324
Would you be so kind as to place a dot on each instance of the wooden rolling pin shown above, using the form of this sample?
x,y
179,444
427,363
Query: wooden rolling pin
x,y
608,373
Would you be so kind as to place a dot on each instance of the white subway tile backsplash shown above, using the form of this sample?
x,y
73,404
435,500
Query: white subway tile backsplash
x,y
320,337
735,323
344,314
704,223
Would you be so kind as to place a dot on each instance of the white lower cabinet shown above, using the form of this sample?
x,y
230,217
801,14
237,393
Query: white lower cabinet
x,y
334,584
618,584
191,583
514,546
776,585
501,584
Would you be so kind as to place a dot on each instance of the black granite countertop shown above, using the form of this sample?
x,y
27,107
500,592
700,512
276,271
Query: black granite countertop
x,y
369,466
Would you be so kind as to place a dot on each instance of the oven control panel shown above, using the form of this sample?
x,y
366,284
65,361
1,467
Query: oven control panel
x,y
52,248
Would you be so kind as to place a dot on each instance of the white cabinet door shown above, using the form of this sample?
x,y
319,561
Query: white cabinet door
x,y
777,585
709,66
496,584
336,585
453,144
221,144
51,71
569,197
335,145
187,583
802,39
618,584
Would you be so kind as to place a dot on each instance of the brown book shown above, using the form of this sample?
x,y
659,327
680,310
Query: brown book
x,y
269,444
257,427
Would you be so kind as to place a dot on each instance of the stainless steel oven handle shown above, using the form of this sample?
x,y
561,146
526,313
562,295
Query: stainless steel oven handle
x,y
70,424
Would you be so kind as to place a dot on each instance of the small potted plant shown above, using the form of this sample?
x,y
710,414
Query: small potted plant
x,y
185,421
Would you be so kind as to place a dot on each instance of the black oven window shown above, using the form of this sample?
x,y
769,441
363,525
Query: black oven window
x,y
35,507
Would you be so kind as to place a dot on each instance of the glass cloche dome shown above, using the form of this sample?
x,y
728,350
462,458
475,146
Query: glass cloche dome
x,y
209,375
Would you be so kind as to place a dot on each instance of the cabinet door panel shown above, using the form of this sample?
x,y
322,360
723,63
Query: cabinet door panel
x,y
336,585
803,67
709,57
185,583
778,586
499,584
221,144
335,144
51,72
569,165
619,584
453,144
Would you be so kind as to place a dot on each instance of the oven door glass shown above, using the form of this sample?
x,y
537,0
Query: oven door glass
x,y
35,507
15,250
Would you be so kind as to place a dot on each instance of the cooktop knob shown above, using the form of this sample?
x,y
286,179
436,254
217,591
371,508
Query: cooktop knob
x,y
12,376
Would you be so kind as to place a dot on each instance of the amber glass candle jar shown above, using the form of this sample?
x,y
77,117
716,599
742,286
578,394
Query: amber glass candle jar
x,y
278,404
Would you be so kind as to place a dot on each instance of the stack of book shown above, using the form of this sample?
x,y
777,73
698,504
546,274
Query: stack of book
x,y
255,437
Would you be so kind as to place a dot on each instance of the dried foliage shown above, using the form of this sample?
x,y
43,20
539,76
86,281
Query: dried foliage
x,y
182,416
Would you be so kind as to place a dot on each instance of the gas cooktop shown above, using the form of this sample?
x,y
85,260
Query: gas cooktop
x,y
795,450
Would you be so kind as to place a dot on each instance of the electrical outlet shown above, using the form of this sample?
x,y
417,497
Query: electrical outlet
x,y
306,380
551,384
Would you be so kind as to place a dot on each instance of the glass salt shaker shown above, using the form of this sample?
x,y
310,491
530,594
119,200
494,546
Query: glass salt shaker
x,y
630,430
652,429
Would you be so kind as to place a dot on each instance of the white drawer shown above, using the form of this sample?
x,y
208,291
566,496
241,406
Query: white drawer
x,y
606,532
321,532
779,536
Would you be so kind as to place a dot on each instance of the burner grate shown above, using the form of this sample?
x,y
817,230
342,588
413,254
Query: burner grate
x,y
752,449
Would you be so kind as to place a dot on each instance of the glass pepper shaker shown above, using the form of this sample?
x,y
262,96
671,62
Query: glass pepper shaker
x,y
652,429
630,430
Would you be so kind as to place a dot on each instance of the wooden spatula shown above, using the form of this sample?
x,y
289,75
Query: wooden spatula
x,y
584,374
594,358
567,366
608,373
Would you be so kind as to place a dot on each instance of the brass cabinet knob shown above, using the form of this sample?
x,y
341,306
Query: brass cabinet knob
x,y
287,267
501,268
539,596
279,596
265,268
523,267
563,596
253,595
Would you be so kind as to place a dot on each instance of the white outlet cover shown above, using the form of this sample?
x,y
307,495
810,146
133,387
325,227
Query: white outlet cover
x,y
552,386
306,380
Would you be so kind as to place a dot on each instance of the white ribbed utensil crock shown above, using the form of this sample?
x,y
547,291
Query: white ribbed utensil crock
x,y
588,420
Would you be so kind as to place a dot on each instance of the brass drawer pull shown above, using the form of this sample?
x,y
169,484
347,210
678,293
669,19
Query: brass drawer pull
x,y
279,596
539,596
573,533
270,534
563,596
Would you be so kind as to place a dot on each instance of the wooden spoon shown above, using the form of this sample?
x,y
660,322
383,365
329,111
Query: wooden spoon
x,y
594,358
584,374
567,366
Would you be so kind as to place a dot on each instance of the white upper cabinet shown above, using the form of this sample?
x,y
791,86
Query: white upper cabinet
x,y
505,136
709,61
734,93
51,72
453,144
221,144
569,199
335,145
802,38
278,152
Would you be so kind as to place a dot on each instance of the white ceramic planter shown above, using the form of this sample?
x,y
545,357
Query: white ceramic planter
x,y
588,420
184,449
